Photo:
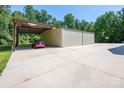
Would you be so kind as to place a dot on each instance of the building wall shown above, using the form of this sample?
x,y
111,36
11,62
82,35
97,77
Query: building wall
x,y
52,37
71,37
67,37
88,38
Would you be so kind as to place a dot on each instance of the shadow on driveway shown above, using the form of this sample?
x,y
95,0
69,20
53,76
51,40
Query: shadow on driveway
x,y
28,47
117,50
24,47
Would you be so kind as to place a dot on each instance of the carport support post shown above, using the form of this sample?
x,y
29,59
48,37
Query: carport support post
x,y
14,36
17,35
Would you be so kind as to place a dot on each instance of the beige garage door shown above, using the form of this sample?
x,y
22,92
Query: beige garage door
x,y
88,38
71,38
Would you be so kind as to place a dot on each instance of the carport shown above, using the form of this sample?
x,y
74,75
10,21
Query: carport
x,y
25,26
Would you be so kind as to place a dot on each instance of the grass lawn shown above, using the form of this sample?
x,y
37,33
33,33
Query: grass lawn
x,y
5,53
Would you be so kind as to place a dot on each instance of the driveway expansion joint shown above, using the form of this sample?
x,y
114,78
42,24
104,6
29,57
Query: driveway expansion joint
x,y
102,71
38,75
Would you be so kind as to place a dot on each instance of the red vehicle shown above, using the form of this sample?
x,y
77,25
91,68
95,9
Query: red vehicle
x,y
38,44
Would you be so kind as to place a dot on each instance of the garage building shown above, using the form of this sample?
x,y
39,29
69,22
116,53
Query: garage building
x,y
51,35
67,37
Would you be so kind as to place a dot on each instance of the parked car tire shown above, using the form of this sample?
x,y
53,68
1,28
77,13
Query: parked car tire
x,y
32,46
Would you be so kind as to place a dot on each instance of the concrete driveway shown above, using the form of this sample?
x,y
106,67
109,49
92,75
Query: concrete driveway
x,y
98,65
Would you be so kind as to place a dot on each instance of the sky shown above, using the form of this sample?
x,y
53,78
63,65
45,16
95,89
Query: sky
x,y
87,12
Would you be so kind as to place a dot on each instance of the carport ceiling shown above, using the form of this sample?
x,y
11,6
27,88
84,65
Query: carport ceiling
x,y
24,26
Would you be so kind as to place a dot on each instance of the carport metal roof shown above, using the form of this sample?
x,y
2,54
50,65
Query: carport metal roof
x,y
25,26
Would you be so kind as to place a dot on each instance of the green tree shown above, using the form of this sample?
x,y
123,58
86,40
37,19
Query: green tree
x,y
30,13
84,25
76,24
18,14
69,21
43,17
5,37
120,27
107,26
91,27
58,24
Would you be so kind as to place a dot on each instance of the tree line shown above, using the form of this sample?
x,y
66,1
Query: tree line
x,y
110,24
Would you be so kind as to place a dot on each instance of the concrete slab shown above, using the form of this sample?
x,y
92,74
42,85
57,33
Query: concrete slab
x,y
106,62
73,75
81,66
32,68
